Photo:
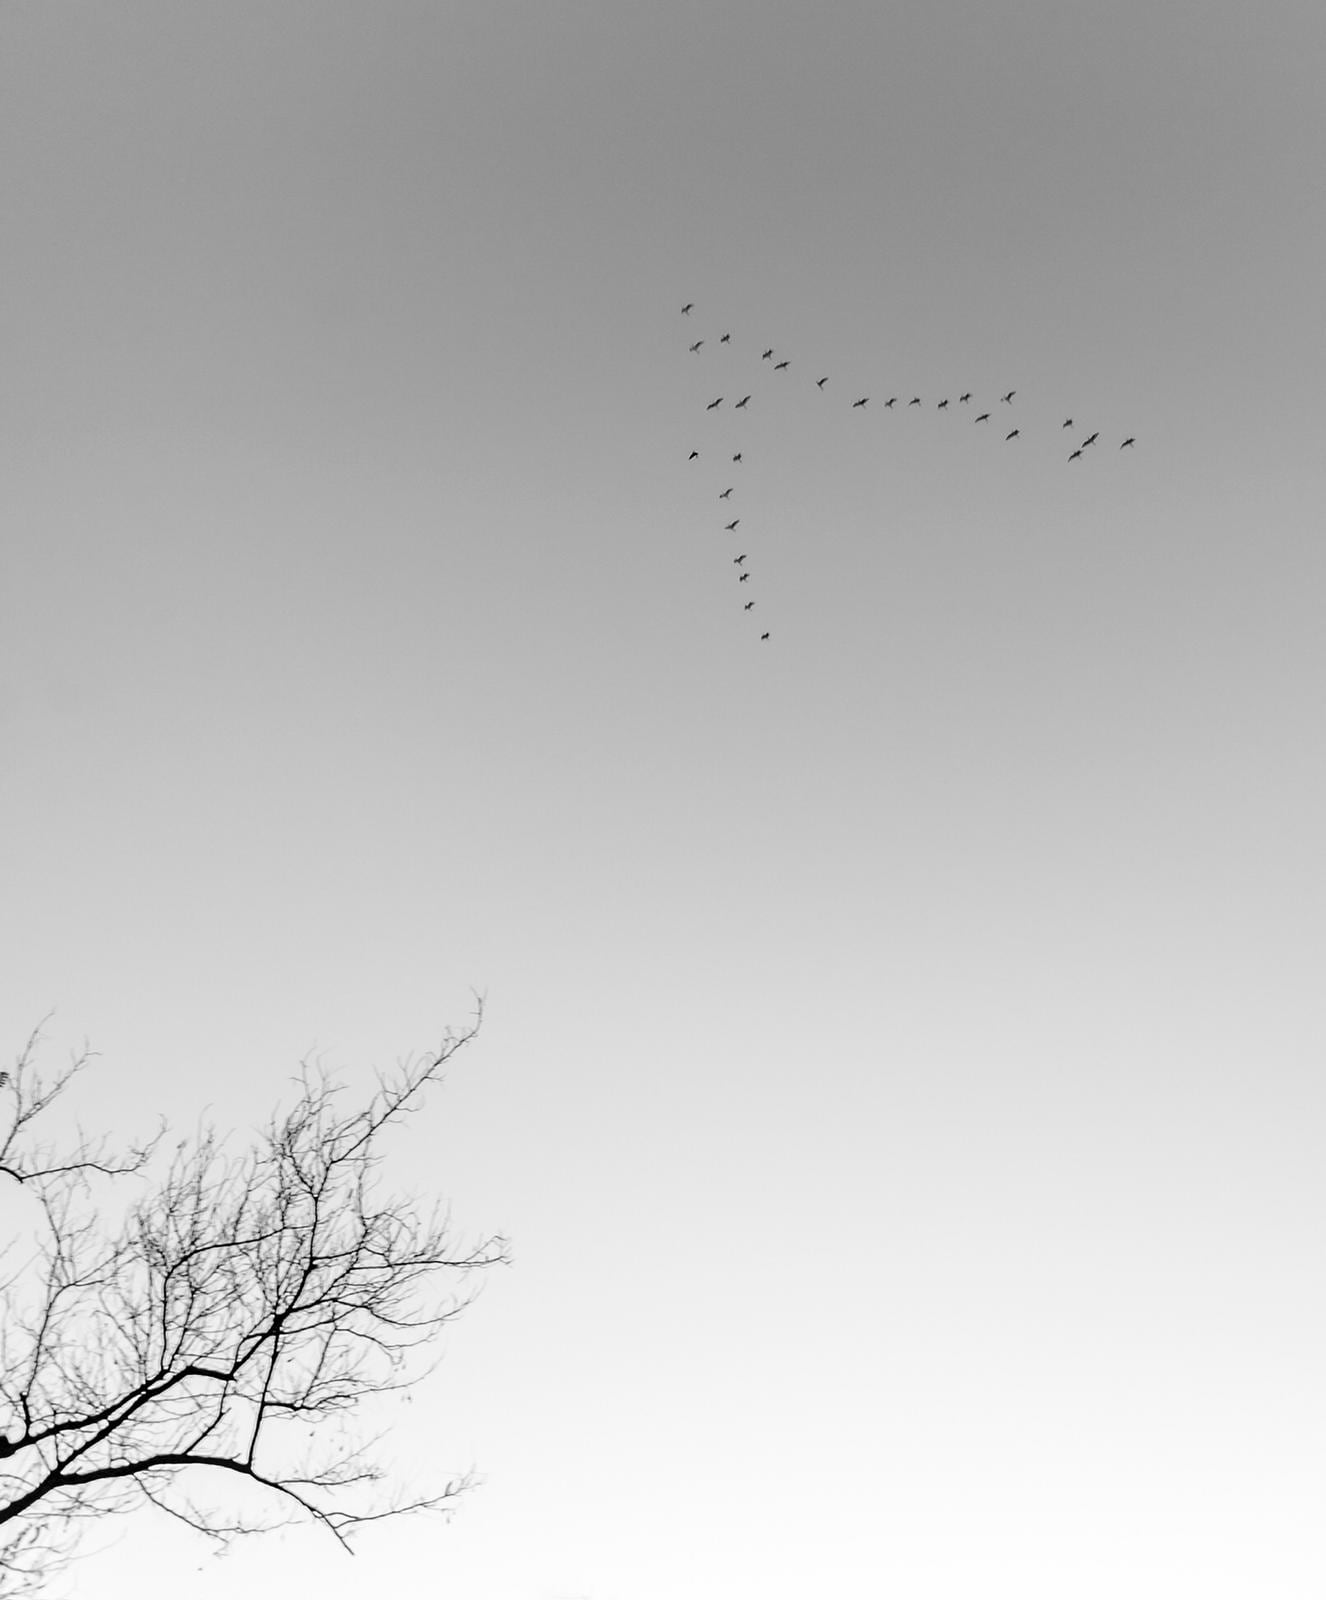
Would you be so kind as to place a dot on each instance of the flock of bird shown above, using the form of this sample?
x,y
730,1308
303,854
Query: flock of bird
x,y
860,403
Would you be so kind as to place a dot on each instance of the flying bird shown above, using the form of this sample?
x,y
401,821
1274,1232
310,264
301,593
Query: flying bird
x,y
892,402
742,576
1068,422
780,366
1012,435
741,403
915,401
686,309
768,354
737,560
737,457
820,382
730,526
941,405
696,345
963,398
693,455
864,400
764,636
1091,440
1075,455
984,417
714,403
1007,398
749,606
725,338
726,493
1126,443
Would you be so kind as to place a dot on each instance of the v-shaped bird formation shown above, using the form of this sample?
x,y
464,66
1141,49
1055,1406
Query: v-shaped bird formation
x,y
859,403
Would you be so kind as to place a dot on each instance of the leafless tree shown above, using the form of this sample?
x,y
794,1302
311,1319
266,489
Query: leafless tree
x,y
205,1343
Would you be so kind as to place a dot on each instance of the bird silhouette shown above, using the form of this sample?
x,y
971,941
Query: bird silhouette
x,y
1126,443
1008,398
726,493
889,404
963,398
863,401
741,403
749,606
820,382
686,309
1068,422
764,636
915,402
780,366
737,457
941,405
1075,455
730,527
768,354
714,403
737,560
1091,440
696,345
1012,435
984,417
693,455
724,339
742,576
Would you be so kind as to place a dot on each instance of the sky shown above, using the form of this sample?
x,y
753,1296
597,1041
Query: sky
x,y
902,1068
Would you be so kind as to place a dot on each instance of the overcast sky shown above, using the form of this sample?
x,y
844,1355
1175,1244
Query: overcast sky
x,y
903,1068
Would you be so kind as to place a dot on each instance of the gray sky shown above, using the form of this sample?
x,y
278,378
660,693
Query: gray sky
x,y
903,1067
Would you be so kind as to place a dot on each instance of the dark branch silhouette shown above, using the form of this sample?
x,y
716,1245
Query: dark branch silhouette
x,y
242,1299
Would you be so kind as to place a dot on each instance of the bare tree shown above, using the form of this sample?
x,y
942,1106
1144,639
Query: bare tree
x,y
241,1303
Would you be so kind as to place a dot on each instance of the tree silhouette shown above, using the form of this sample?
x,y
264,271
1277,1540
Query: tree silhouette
x,y
240,1301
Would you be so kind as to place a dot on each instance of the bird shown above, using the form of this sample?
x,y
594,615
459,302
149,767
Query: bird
x,y
741,403
941,405
726,493
696,345
725,338
1075,455
764,636
963,398
864,400
1012,435
1007,398
749,606
889,404
1091,440
686,309
742,576
737,560
780,366
730,527
820,382
1126,443
768,354
693,455
1068,422
915,401
737,457
984,417
714,403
